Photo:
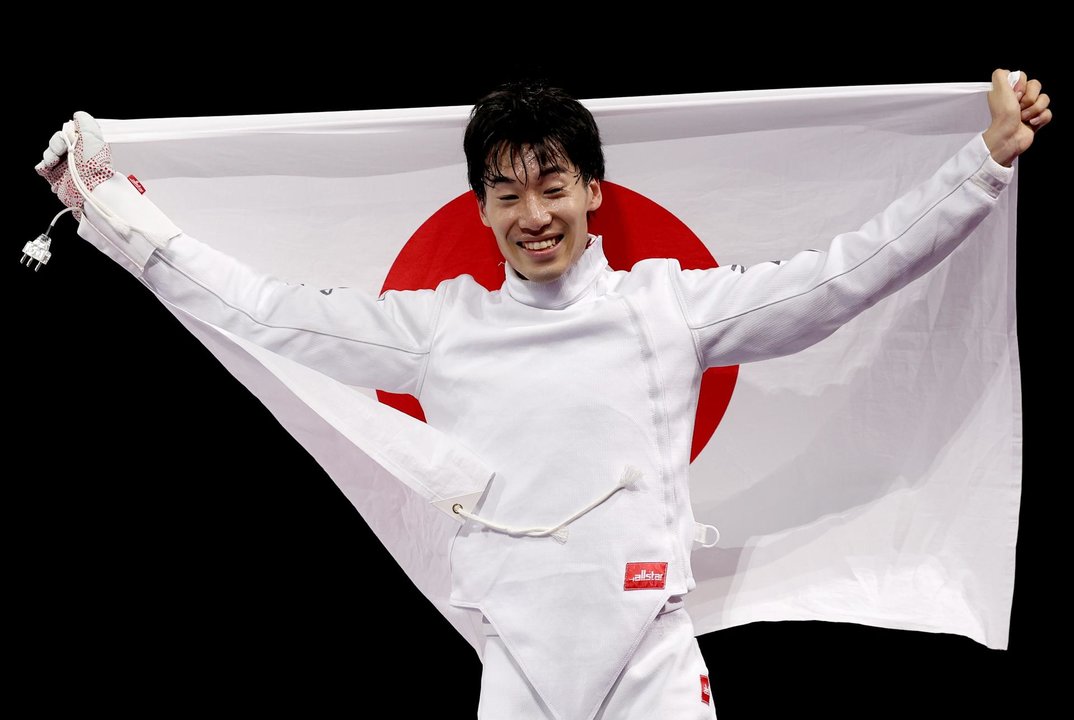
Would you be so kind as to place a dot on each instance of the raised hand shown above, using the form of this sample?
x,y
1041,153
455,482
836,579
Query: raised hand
x,y
92,157
1017,114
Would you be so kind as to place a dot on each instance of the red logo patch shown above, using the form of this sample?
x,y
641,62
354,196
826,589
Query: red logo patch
x,y
706,693
137,185
645,575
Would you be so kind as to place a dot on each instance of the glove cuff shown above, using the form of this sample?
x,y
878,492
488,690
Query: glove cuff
x,y
129,221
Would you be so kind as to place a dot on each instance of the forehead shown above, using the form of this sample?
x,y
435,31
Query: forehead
x,y
511,164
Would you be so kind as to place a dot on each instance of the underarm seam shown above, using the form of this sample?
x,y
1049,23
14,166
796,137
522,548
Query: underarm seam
x,y
194,280
834,277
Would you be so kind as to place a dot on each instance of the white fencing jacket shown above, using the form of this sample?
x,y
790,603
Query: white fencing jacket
x,y
562,388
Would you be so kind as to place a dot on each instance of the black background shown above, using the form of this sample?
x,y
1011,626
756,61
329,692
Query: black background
x,y
171,547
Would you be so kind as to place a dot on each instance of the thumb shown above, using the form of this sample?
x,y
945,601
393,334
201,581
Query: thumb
x,y
90,130
1004,96
1003,79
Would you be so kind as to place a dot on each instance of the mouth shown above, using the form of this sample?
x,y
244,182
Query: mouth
x,y
540,246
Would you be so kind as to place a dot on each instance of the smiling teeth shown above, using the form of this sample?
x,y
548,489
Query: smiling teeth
x,y
541,244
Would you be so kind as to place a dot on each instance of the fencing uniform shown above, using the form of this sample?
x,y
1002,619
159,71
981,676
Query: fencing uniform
x,y
580,393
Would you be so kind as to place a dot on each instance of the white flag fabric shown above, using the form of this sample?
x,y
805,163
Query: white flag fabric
x,y
873,478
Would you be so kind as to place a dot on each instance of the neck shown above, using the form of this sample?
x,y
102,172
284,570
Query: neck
x,y
565,290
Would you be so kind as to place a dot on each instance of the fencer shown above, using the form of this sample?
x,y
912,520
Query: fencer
x,y
577,384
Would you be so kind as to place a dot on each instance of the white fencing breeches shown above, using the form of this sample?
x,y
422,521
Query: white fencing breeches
x,y
663,679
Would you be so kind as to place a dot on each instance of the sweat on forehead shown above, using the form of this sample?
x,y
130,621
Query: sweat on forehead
x,y
509,163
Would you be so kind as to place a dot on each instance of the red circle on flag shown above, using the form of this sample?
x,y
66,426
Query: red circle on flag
x,y
454,242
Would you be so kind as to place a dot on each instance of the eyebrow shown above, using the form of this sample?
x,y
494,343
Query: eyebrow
x,y
546,170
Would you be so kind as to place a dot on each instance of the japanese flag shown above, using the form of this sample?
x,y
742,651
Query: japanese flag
x,y
873,478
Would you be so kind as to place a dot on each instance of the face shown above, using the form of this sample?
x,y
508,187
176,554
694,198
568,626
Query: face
x,y
538,215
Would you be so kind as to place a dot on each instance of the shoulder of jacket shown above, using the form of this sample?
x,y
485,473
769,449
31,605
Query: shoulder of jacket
x,y
459,285
646,273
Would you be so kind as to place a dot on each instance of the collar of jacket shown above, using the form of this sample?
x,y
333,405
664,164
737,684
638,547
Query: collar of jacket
x,y
565,290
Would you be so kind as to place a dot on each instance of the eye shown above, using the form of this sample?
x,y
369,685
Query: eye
x,y
554,191
507,198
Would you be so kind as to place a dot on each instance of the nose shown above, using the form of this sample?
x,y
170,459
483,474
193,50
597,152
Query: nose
x,y
535,215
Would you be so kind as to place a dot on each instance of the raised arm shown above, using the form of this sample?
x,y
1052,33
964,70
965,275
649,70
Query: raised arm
x,y
771,309
357,339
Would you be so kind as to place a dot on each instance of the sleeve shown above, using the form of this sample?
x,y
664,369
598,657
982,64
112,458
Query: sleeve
x,y
346,334
741,315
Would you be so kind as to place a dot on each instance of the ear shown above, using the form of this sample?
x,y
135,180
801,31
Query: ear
x,y
595,198
481,212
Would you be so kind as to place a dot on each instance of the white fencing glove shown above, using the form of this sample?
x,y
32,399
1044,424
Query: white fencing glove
x,y
92,156
122,215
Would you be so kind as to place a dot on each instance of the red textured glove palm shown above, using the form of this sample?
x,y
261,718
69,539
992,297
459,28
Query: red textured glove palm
x,y
92,157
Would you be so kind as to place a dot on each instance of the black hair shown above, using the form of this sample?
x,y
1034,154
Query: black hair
x,y
524,116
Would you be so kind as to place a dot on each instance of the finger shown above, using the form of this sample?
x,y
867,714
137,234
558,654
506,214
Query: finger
x,y
1019,81
57,144
56,149
1041,120
92,137
53,154
1036,108
1016,80
1033,88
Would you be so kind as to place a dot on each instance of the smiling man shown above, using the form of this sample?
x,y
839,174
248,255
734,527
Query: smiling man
x,y
540,226
581,382
536,176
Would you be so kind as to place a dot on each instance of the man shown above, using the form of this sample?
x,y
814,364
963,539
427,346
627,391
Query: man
x,y
620,352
